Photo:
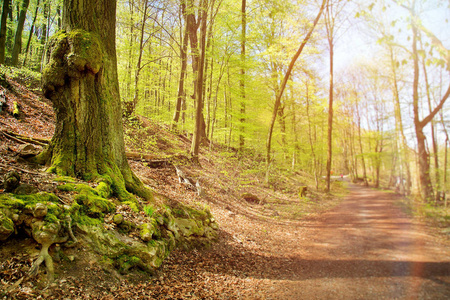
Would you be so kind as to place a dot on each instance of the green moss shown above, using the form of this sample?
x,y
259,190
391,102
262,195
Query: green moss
x,y
41,197
51,218
132,205
6,227
55,209
87,221
86,51
125,262
9,201
74,208
150,231
149,210
94,205
85,189
68,187
103,190
6,222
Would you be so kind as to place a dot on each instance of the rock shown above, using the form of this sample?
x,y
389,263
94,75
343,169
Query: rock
x,y
189,227
251,198
118,219
6,227
16,109
40,210
149,231
26,189
302,191
28,150
11,181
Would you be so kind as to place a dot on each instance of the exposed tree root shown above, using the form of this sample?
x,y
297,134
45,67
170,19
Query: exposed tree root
x,y
43,256
46,234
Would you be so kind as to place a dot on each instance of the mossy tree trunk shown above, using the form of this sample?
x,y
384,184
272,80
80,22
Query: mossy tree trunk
x,y
81,81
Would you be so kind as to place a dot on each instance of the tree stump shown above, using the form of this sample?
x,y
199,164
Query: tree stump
x,y
302,191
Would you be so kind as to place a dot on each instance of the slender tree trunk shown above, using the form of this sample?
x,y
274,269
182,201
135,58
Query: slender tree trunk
x,y
433,137
361,148
141,50
330,116
311,142
283,85
18,37
424,167
5,10
130,59
242,73
81,81
199,129
183,57
31,33
58,13
44,24
399,126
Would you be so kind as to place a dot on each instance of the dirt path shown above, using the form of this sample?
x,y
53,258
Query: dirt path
x,y
366,248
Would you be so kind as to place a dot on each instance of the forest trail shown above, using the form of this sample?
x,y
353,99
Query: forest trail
x,y
366,248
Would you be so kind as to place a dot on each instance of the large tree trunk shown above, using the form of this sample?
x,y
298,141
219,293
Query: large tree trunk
x,y
5,10
81,81
18,37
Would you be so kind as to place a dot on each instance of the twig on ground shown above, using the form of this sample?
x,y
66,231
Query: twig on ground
x,y
23,170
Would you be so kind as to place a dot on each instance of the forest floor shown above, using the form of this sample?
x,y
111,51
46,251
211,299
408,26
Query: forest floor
x,y
359,244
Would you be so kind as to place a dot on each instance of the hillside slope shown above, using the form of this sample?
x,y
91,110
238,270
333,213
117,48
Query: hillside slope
x,y
252,216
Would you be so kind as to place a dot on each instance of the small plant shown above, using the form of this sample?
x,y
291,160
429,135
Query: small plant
x,y
149,210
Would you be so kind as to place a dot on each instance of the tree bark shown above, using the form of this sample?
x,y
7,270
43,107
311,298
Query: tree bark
x,y
81,81
5,10
18,37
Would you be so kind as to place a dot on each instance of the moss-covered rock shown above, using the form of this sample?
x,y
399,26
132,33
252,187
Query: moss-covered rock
x,y
40,210
104,189
8,201
25,189
118,219
188,227
149,231
6,226
41,197
11,181
94,205
68,187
